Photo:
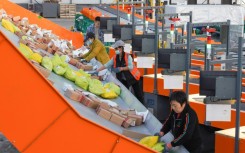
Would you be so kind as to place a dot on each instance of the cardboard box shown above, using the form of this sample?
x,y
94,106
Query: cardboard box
x,y
55,47
95,77
133,134
34,32
42,46
19,34
114,110
59,53
95,98
44,54
87,67
104,113
127,112
104,106
138,118
16,18
50,50
73,61
90,103
117,119
74,95
79,65
129,122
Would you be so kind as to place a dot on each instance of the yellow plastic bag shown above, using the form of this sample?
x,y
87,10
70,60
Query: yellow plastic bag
x,y
82,82
8,25
96,87
112,86
70,74
109,94
25,50
36,57
149,141
158,147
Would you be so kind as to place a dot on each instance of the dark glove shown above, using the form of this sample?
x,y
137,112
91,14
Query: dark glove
x,y
116,70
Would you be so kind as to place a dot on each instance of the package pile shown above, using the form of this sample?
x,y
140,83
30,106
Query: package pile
x,y
37,44
105,109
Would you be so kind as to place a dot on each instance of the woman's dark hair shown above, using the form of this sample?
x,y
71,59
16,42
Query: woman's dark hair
x,y
178,96
121,47
90,35
97,18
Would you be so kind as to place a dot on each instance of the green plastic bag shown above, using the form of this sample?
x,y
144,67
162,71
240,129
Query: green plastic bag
x,y
84,73
158,147
56,60
82,82
70,74
58,69
112,86
47,63
96,87
149,141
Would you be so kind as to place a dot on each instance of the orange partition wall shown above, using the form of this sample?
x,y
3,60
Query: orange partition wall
x,y
16,10
37,119
200,109
225,144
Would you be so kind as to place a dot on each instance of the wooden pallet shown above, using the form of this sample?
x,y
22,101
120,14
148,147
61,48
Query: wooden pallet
x,y
67,11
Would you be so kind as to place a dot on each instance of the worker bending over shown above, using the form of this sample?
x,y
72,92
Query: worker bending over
x,y
97,49
183,124
126,72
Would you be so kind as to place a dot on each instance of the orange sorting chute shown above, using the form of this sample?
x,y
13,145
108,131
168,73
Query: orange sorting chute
x,y
37,119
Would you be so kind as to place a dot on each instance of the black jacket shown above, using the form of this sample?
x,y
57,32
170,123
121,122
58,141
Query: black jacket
x,y
185,128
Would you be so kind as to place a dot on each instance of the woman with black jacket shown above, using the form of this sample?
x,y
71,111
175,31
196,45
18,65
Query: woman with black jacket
x,y
183,124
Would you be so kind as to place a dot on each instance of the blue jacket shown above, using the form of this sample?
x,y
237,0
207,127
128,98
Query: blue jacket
x,y
101,33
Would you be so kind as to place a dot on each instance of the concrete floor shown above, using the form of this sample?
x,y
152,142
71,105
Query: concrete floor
x,y
66,23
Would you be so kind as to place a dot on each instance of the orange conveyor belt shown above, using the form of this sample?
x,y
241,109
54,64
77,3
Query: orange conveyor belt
x,y
36,118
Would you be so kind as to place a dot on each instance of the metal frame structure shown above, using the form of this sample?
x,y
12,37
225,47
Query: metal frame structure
x,y
238,87
206,61
156,49
118,3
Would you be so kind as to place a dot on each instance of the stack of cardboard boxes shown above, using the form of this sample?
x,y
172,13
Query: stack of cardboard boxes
x,y
116,115
119,116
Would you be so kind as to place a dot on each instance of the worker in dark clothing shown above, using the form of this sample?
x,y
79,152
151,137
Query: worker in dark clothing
x,y
183,124
126,72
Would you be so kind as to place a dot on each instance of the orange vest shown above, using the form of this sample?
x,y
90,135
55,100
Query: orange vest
x,y
135,72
